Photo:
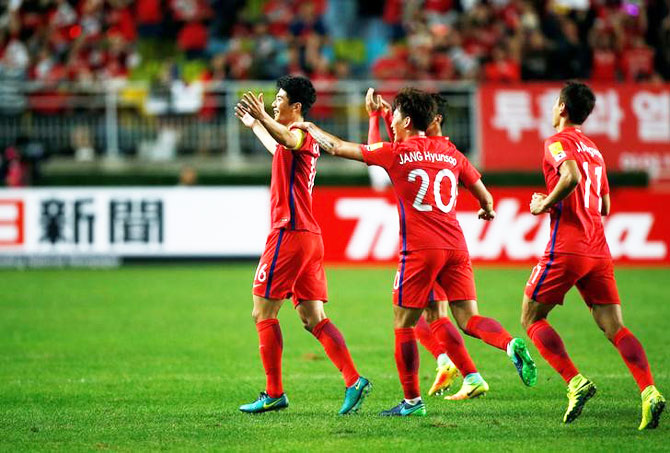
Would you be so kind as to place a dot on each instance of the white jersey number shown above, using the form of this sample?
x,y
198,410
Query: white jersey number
x,y
598,172
437,184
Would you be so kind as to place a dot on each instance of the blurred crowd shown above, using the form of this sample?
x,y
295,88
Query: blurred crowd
x,y
497,40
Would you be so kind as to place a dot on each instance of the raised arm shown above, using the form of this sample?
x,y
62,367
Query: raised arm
x,y
263,135
481,193
331,144
281,134
372,107
568,181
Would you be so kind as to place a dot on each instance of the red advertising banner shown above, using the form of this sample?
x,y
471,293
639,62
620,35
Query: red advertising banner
x,y
361,226
630,124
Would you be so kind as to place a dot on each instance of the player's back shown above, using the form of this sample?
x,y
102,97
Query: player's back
x,y
293,173
576,222
425,173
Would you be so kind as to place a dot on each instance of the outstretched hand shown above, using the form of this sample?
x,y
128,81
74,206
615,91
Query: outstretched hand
x,y
253,104
371,101
244,116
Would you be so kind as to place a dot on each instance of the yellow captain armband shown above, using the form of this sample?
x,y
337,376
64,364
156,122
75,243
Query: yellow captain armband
x,y
374,146
301,141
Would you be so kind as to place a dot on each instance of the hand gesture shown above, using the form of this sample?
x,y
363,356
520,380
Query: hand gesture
x,y
537,204
371,101
384,105
253,104
486,214
244,116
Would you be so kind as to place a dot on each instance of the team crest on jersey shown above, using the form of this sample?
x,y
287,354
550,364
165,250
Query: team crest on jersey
x,y
374,146
556,150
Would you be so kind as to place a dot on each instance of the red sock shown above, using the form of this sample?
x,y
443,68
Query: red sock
x,y
551,347
427,339
452,341
336,349
271,345
407,361
632,353
488,330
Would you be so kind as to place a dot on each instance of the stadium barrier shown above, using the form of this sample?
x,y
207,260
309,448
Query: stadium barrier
x,y
105,226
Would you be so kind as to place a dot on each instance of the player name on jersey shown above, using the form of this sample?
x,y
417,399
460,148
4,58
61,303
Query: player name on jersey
x,y
426,156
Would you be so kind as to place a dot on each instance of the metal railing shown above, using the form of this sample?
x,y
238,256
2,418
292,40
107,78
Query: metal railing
x,y
162,123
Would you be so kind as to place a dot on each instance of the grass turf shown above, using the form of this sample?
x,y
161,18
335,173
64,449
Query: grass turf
x,y
161,357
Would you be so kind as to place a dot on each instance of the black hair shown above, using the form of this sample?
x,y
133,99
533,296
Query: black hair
x,y
579,101
441,106
298,89
418,105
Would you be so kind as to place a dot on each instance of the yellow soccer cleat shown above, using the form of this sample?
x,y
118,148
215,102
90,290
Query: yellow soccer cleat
x,y
444,378
653,404
473,386
580,390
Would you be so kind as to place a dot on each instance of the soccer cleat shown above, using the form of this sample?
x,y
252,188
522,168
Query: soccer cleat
x,y
473,386
265,403
518,352
580,390
653,404
354,396
444,378
405,409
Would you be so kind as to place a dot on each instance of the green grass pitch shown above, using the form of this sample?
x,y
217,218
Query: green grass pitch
x,y
160,357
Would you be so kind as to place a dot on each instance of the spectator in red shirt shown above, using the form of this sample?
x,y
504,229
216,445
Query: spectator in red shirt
x,y
502,67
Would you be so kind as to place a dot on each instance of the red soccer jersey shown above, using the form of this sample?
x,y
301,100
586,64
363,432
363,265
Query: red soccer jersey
x,y
425,172
576,223
293,173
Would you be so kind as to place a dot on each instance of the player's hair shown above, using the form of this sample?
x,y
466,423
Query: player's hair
x,y
418,105
441,106
298,89
579,101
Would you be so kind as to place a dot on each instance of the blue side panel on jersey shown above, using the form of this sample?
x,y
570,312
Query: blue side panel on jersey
x,y
272,266
291,199
559,208
403,229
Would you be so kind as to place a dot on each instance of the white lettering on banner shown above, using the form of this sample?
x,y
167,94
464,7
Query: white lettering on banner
x,y
545,105
653,116
376,232
653,163
513,112
606,117
627,235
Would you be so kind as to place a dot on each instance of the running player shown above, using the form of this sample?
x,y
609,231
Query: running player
x,y
425,172
577,255
292,263
377,109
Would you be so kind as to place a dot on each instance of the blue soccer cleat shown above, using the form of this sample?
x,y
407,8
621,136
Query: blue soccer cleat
x,y
265,403
354,396
405,409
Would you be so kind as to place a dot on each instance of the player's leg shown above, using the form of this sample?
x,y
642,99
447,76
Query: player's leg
x,y
310,292
458,279
411,287
598,288
451,341
446,371
407,362
271,344
549,281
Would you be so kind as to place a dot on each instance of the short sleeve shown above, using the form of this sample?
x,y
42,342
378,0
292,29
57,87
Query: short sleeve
x,y
557,151
381,154
469,174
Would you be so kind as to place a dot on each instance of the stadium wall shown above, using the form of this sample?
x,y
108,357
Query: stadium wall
x,y
107,226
